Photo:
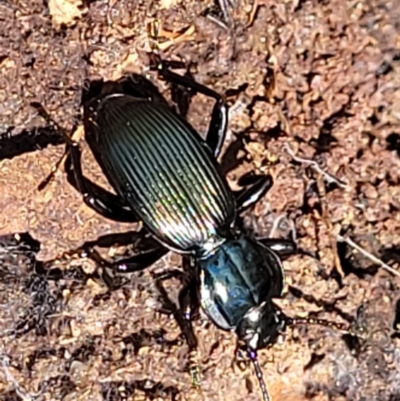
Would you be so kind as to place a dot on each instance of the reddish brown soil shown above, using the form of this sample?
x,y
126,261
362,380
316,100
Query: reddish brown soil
x,y
322,77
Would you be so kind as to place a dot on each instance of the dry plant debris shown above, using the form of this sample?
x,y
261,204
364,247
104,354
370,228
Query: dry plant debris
x,y
66,12
319,78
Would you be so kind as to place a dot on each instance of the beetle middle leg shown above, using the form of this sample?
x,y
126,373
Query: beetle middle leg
x,y
138,262
148,251
255,187
128,265
283,247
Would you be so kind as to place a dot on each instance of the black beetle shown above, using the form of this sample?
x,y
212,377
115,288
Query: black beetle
x,y
167,176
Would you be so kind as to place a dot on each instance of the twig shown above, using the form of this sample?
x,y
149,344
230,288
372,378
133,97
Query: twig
x,y
322,195
368,255
217,21
314,165
25,396
277,223
224,5
328,224
253,13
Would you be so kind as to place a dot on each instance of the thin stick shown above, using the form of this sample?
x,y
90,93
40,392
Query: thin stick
x,y
19,390
224,6
368,255
314,165
253,13
217,21
70,140
278,221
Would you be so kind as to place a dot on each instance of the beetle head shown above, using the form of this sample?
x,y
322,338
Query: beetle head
x,y
260,326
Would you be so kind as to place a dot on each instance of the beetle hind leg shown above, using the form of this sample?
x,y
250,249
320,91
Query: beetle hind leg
x,y
189,305
219,118
105,203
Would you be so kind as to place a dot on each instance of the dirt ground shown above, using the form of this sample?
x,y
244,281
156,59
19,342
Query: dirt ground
x,y
313,80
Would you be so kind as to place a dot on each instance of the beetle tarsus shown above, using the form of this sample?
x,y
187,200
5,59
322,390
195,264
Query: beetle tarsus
x,y
52,123
194,369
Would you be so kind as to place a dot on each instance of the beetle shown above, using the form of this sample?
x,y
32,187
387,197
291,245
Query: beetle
x,y
166,175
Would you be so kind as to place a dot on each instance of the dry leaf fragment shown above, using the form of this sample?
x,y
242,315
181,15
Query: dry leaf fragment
x,y
166,4
162,39
66,12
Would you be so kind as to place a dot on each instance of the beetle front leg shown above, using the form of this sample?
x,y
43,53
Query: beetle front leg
x,y
256,186
283,247
219,117
189,299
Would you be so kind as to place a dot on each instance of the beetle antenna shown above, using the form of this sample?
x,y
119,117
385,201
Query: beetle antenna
x,y
314,321
253,357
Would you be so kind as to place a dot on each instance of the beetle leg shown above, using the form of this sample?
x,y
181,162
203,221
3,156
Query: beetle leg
x,y
95,197
189,300
184,320
103,202
150,251
219,117
256,187
283,247
189,303
127,265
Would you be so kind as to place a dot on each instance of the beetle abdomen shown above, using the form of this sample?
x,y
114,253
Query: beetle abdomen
x,y
163,169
